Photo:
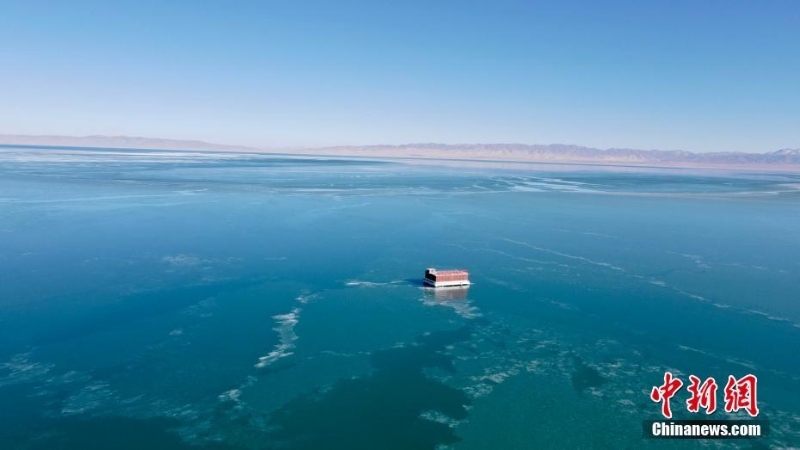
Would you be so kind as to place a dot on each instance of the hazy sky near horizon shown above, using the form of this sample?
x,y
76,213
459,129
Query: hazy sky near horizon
x,y
693,75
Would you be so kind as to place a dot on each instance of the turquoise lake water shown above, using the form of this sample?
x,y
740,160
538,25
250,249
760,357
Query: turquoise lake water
x,y
158,299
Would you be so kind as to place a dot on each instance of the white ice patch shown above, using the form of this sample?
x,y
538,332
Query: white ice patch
x,y
231,395
89,398
438,417
182,260
285,329
190,191
696,259
728,359
771,317
20,369
690,295
305,298
203,308
275,258
588,233
478,390
525,189
566,255
497,377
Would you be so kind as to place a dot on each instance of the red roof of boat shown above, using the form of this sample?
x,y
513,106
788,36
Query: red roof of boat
x,y
452,272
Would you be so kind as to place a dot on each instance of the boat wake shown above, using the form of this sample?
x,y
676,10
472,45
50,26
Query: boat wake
x,y
359,283
455,298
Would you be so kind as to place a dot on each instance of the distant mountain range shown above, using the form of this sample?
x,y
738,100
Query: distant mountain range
x,y
574,153
553,153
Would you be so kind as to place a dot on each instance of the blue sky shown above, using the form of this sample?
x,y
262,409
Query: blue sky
x,y
693,75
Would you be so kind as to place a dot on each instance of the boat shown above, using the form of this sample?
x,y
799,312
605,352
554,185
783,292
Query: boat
x,y
446,278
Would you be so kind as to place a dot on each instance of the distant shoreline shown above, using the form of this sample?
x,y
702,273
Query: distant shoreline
x,y
569,162
787,160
